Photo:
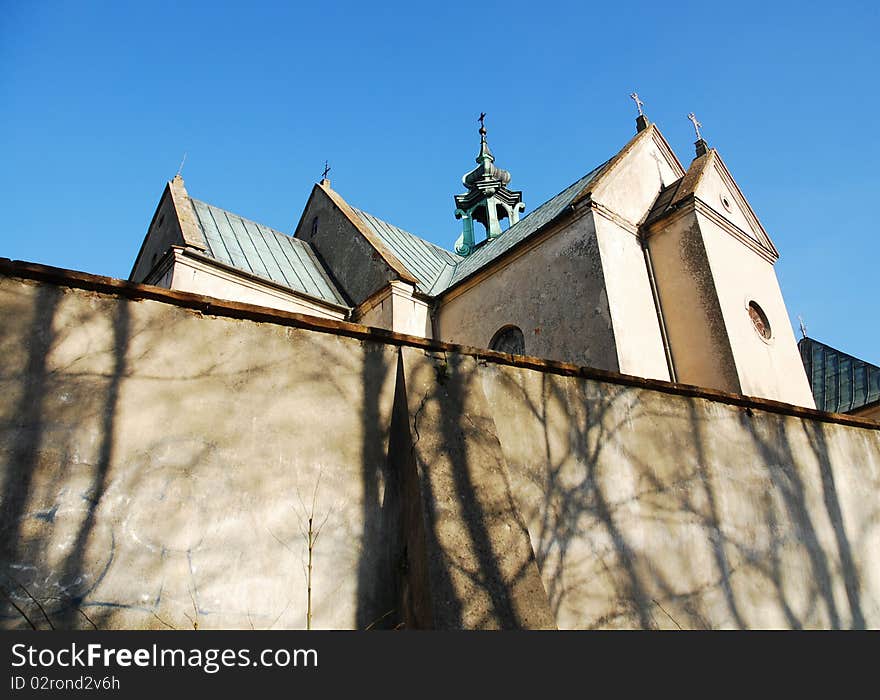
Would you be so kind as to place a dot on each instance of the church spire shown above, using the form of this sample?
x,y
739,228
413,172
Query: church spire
x,y
487,199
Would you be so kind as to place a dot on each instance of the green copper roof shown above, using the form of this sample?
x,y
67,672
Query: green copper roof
x,y
528,225
264,252
424,260
841,383
438,269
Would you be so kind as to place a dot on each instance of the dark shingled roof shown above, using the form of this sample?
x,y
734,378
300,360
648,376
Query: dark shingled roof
x,y
841,383
264,252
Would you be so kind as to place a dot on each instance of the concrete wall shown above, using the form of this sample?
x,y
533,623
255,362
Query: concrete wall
x,y
555,294
158,466
160,457
652,510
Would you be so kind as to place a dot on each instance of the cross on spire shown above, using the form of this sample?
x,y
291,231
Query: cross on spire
x,y
326,170
481,118
803,326
635,98
696,124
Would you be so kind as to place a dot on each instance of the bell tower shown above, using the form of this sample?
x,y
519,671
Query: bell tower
x,y
487,199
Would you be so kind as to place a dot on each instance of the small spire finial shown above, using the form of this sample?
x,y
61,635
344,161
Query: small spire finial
x,y
803,326
482,119
180,169
326,170
634,96
696,124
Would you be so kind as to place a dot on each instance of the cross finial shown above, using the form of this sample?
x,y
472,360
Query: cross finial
x,y
326,170
696,124
180,169
481,118
635,98
803,326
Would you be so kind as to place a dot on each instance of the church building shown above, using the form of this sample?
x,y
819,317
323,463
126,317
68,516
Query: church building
x,y
643,266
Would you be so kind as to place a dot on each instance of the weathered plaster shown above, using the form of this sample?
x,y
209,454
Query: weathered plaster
x,y
158,463
555,294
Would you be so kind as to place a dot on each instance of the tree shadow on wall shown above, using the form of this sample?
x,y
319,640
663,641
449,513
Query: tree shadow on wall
x,y
771,438
466,566
54,405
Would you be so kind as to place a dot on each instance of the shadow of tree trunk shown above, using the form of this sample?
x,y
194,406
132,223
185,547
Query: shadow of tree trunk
x,y
379,547
29,423
74,568
816,436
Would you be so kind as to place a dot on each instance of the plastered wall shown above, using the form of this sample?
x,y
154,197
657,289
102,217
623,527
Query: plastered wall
x,y
159,464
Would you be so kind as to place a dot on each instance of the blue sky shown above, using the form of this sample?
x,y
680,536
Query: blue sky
x,y
99,102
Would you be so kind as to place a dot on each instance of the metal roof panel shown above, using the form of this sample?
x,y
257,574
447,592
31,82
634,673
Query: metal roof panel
x,y
264,252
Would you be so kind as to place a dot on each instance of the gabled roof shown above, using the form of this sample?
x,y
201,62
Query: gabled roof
x,y
535,220
840,382
264,252
679,192
424,260
437,269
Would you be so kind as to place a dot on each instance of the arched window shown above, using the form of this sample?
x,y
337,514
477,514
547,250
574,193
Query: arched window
x,y
509,339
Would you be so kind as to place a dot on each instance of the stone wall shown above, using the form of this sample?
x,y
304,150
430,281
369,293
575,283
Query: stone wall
x,y
162,454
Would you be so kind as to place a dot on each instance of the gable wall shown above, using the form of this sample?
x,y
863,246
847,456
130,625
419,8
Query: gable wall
x,y
349,258
164,232
771,369
555,293
626,194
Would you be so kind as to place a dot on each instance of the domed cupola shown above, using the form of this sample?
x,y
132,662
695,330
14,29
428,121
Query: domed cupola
x,y
487,199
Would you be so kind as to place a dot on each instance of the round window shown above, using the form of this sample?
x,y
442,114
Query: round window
x,y
725,202
759,320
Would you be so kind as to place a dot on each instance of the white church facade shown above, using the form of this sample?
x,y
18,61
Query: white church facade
x,y
643,267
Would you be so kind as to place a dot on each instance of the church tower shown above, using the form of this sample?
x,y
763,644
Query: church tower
x,y
487,199
725,318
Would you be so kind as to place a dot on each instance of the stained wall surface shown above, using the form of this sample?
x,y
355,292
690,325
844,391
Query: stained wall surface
x,y
159,465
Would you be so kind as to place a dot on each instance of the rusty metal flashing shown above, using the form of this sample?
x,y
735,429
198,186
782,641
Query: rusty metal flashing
x,y
864,408
228,309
